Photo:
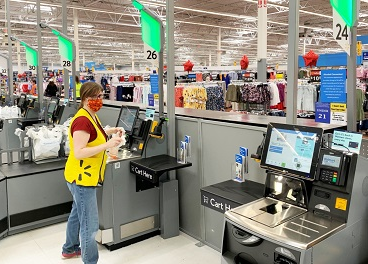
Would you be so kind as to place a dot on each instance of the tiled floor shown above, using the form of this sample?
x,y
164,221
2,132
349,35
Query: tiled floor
x,y
43,246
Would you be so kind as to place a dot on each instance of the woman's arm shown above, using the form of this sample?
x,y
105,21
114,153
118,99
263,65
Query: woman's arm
x,y
81,151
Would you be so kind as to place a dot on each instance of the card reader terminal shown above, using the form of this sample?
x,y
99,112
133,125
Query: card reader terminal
x,y
333,166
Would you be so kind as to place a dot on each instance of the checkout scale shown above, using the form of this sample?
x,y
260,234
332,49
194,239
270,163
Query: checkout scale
x,y
314,209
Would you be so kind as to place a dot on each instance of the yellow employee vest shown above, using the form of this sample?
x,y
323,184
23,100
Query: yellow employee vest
x,y
88,171
77,89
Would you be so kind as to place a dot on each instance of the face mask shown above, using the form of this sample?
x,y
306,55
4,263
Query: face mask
x,y
95,104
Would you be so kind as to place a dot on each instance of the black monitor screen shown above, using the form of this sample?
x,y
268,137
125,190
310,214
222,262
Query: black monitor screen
x,y
127,117
292,149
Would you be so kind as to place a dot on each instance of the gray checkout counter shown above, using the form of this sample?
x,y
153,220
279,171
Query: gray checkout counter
x,y
314,208
31,195
216,138
131,207
3,207
36,195
137,199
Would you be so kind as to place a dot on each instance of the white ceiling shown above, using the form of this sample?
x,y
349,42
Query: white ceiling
x,y
109,30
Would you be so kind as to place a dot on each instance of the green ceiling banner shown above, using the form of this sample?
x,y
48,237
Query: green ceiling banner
x,y
31,56
151,27
345,9
151,31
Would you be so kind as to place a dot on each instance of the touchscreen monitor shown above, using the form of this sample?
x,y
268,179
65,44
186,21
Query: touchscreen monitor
x,y
127,118
292,149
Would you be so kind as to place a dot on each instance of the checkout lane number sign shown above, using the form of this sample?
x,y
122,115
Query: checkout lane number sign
x,y
151,55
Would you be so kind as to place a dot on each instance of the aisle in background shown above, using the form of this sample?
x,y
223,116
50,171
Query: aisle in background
x,y
43,246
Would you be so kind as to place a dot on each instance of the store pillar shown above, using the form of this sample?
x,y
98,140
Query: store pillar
x,y
76,41
351,77
133,65
39,68
170,51
18,56
219,48
65,31
292,69
10,54
262,41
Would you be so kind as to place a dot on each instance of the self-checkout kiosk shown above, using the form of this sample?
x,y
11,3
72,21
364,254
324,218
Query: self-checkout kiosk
x,y
137,199
314,208
25,201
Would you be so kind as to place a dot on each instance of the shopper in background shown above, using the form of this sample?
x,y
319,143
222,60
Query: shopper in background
x,y
51,89
34,88
84,171
78,86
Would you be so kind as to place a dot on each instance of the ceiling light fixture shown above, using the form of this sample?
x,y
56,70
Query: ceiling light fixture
x,y
85,26
43,8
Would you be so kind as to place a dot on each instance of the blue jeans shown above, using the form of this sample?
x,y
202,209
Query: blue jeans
x,y
83,223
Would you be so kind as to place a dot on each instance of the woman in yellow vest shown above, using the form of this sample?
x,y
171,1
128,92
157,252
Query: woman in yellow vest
x,y
84,170
78,86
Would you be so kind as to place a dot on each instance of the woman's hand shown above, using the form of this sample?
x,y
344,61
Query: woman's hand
x,y
113,142
114,130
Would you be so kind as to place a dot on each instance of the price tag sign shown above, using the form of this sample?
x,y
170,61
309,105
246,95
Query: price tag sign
x,y
279,75
156,98
3,71
338,114
66,64
365,56
315,76
151,55
341,32
359,48
248,79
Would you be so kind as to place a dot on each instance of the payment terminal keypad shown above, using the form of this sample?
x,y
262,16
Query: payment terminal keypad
x,y
329,176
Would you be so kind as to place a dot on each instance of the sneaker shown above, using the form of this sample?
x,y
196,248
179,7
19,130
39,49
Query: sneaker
x,y
71,255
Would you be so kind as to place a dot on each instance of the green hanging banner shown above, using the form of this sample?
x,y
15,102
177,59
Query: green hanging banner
x,y
65,46
31,55
345,9
151,27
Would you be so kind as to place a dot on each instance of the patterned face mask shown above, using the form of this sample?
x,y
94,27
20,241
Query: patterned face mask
x,y
95,104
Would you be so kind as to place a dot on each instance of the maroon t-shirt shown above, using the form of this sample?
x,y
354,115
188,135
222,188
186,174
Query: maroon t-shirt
x,y
84,124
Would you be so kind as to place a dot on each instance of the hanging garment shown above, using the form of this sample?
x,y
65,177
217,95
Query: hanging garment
x,y
360,98
125,93
306,98
195,97
215,98
112,95
256,93
275,95
179,99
